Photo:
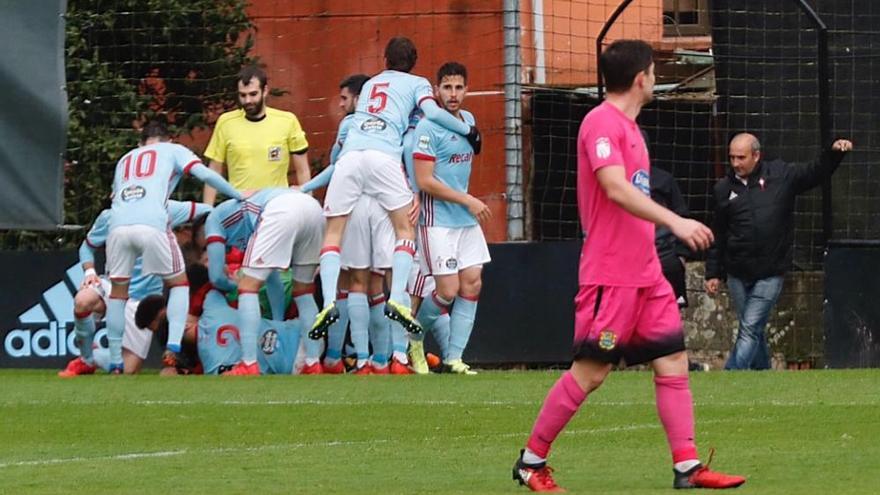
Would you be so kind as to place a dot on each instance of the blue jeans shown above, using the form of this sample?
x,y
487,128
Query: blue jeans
x,y
753,302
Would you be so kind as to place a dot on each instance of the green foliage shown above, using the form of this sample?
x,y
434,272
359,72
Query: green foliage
x,y
128,60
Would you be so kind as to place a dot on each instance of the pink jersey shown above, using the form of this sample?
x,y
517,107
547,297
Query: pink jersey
x,y
619,247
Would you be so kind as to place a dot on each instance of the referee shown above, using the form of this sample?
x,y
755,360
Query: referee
x,y
255,143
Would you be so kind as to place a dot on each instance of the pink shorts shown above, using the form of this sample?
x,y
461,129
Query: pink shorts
x,y
638,324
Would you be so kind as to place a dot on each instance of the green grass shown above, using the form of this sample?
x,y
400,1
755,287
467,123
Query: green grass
x,y
788,432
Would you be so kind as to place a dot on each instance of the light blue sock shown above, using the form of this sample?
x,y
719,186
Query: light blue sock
x,y
380,330
115,329
336,332
431,309
84,328
441,334
461,322
401,265
249,319
177,308
308,310
400,338
359,318
329,270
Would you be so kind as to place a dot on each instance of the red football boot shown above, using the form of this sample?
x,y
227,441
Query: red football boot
x,y
335,369
537,477
701,476
398,368
242,369
363,370
76,367
312,369
384,370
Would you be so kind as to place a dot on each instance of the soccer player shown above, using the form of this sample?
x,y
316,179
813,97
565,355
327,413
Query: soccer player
x,y
288,235
624,306
453,246
260,146
90,302
139,226
370,164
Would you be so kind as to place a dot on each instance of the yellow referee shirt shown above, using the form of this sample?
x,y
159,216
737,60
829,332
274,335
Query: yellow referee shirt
x,y
256,154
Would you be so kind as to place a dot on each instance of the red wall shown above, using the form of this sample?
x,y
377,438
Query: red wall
x,y
309,46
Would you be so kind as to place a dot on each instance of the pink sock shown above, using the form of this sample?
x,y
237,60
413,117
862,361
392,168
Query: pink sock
x,y
563,400
675,406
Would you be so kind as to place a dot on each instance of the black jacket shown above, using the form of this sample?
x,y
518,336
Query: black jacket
x,y
754,222
665,191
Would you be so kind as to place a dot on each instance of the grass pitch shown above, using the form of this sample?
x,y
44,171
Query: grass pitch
x,y
788,432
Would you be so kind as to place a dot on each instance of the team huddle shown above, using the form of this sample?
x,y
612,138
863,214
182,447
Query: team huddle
x,y
245,303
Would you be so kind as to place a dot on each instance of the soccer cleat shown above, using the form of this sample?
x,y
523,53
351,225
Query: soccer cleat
x,y
417,360
170,359
458,367
363,370
398,368
312,369
381,370
243,369
537,477
323,320
76,367
334,369
116,369
701,476
433,360
401,314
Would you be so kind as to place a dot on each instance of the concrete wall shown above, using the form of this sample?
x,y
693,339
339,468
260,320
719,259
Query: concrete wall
x,y
795,330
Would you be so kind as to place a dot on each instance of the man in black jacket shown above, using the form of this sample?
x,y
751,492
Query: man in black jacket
x,y
754,234
671,251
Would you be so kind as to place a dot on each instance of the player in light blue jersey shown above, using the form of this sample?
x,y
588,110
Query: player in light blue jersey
x,y
139,227
91,299
370,165
453,246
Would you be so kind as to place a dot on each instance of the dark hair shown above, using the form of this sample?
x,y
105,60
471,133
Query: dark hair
x,y
622,61
197,274
249,72
451,69
400,54
148,309
155,128
354,83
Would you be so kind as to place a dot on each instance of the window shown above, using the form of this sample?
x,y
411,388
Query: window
x,y
686,18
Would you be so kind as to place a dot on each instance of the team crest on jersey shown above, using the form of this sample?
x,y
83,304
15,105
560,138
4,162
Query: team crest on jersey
x,y
274,153
603,147
607,340
424,142
269,341
132,193
642,181
374,124
452,263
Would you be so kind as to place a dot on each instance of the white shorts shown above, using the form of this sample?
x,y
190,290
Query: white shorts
x,y
289,233
159,250
447,251
369,238
134,339
367,172
419,284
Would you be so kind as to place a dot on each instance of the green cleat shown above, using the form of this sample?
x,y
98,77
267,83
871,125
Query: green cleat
x,y
417,360
458,367
325,318
402,315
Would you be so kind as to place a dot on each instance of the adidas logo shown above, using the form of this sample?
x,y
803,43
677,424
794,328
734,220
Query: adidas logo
x,y
46,328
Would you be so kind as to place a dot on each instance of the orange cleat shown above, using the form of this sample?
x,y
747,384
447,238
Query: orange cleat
x,y
701,476
398,368
537,477
76,367
384,370
242,369
312,369
363,370
334,369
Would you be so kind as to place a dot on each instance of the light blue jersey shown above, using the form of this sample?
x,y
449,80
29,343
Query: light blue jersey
x,y
452,156
146,176
179,213
219,344
383,110
408,141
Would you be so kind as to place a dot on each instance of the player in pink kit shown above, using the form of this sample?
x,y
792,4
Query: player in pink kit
x,y
624,308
